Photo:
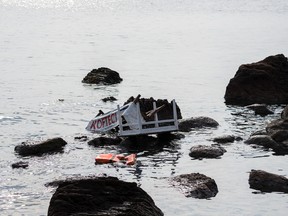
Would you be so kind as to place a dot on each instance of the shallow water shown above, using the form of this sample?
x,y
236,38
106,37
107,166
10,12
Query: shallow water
x,y
187,50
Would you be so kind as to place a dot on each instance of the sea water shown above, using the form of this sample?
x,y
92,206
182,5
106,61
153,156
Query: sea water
x,y
185,50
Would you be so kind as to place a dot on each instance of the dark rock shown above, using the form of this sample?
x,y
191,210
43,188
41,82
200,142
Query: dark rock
x,y
224,139
284,113
203,151
262,140
261,82
20,164
105,141
101,197
102,75
260,132
280,135
267,182
278,124
81,138
195,185
150,145
170,136
269,143
111,98
238,138
260,109
48,146
186,125
146,104
141,143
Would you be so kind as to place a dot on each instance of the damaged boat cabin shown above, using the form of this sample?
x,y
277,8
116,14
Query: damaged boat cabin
x,y
137,117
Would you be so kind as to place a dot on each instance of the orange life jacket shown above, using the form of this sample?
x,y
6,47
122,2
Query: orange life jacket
x,y
111,158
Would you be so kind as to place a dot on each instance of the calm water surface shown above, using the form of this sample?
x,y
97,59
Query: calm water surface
x,y
187,50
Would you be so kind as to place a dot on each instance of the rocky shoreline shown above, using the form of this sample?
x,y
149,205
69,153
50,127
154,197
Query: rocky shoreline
x,y
85,196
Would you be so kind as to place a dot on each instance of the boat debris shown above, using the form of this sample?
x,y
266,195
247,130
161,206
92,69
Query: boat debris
x,y
129,120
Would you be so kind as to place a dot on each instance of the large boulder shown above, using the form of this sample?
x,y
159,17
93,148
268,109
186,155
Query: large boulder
x,y
195,185
102,75
186,125
261,82
267,182
49,146
101,196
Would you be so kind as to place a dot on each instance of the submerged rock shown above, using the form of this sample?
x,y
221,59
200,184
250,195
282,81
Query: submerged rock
x,y
261,82
275,136
225,139
260,109
140,143
284,113
111,99
195,185
187,125
267,182
149,144
101,196
102,75
48,146
203,151
280,135
105,141
20,164
280,148
276,125
81,138
262,140
260,132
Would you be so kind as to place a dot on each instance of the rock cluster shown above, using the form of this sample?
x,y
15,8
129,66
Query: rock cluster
x,y
275,137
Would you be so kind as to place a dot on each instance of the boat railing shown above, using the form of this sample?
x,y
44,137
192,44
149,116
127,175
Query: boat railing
x,y
147,127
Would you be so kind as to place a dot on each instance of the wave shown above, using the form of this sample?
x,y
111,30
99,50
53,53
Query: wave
x,y
10,119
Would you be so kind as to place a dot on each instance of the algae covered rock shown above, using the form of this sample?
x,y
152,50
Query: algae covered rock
x,y
195,185
103,76
101,196
261,82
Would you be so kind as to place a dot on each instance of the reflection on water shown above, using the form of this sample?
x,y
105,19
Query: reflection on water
x,y
279,6
176,49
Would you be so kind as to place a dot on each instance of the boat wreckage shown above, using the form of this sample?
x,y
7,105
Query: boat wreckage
x,y
136,118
